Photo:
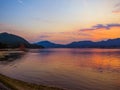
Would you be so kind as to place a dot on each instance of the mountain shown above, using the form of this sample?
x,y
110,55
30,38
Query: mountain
x,y
48,44
81,44
110,43
13,41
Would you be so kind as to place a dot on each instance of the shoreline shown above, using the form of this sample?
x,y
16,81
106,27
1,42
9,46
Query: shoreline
x,y
3,87
14,84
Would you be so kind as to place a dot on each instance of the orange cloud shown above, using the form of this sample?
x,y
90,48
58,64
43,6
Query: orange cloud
x,y
97,32
102,34
116,11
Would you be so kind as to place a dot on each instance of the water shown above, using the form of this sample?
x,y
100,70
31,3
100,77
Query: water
x,y
71,69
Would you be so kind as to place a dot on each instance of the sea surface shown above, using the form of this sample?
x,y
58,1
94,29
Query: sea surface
x,y
70,69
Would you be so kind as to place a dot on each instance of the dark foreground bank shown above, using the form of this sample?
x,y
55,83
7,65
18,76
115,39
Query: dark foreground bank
x,y
14,84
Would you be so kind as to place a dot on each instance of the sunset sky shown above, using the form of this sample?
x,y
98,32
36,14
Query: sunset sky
x,y
61,21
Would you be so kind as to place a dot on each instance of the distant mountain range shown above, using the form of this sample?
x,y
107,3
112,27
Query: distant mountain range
x,y
110,43
14,41
48,44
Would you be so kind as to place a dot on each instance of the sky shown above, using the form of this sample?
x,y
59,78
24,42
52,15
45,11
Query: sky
x,y
61,21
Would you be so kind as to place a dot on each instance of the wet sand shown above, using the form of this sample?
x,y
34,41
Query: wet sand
x,y
3,87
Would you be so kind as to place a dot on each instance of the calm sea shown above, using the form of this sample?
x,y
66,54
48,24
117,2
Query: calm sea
x,y
71,69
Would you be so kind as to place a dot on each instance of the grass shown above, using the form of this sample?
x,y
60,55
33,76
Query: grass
x,y
21,85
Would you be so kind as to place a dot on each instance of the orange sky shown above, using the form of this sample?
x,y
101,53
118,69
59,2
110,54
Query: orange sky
x,y
61,21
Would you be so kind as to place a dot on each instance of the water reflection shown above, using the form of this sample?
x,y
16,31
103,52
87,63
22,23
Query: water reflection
x,y
8,57
100,60
73,69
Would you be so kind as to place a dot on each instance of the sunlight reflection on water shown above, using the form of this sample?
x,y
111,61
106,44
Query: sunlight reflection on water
x,y
73,69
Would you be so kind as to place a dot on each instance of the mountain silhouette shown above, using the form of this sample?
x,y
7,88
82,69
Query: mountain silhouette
x,y
13,41
48,44
110,43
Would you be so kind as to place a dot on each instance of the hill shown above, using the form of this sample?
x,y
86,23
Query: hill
x,y
13,41
110,43
48,44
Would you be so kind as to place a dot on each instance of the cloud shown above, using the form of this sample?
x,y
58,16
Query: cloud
x,y
113,25
44,36
117,5
101,26
86,29
20,2
116,9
